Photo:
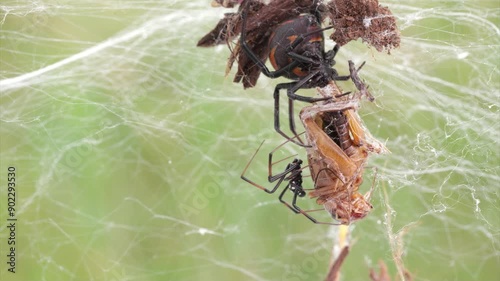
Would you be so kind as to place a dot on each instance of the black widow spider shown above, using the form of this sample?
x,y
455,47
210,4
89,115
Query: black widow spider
x,y
293,175
297,52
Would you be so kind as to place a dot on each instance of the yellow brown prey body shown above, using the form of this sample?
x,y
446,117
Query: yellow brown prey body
x,y
338,151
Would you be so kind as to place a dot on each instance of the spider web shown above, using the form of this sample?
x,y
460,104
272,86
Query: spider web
x,y
129,143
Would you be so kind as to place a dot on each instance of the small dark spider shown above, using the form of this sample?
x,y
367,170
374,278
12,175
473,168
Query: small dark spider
x,y
297,52
293,175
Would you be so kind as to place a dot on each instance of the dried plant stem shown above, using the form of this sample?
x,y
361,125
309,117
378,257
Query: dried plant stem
x,y
342,242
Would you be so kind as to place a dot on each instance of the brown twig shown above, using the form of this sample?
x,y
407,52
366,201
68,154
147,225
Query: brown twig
x,y
334,273
360,85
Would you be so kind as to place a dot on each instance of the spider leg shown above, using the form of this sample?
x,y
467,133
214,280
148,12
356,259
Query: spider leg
x,y
286,203
292,96
291,88
243,177
280,177
333,52
291,119
299,192
341,78
330,55
290,168
297,210
301,58
261,187
277,113
302,83
314,210
272,178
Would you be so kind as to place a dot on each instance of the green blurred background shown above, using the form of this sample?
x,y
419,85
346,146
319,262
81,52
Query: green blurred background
x,y
129,142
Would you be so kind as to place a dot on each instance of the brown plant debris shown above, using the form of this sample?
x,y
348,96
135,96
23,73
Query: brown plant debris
x,y
334,273
383,274
351,19
364,19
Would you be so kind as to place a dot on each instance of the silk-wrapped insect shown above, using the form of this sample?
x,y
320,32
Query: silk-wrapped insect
x,y
337,151
339,147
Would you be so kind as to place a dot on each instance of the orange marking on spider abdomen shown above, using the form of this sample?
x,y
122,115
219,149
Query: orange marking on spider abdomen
x,y
299,72
272,57
317,38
